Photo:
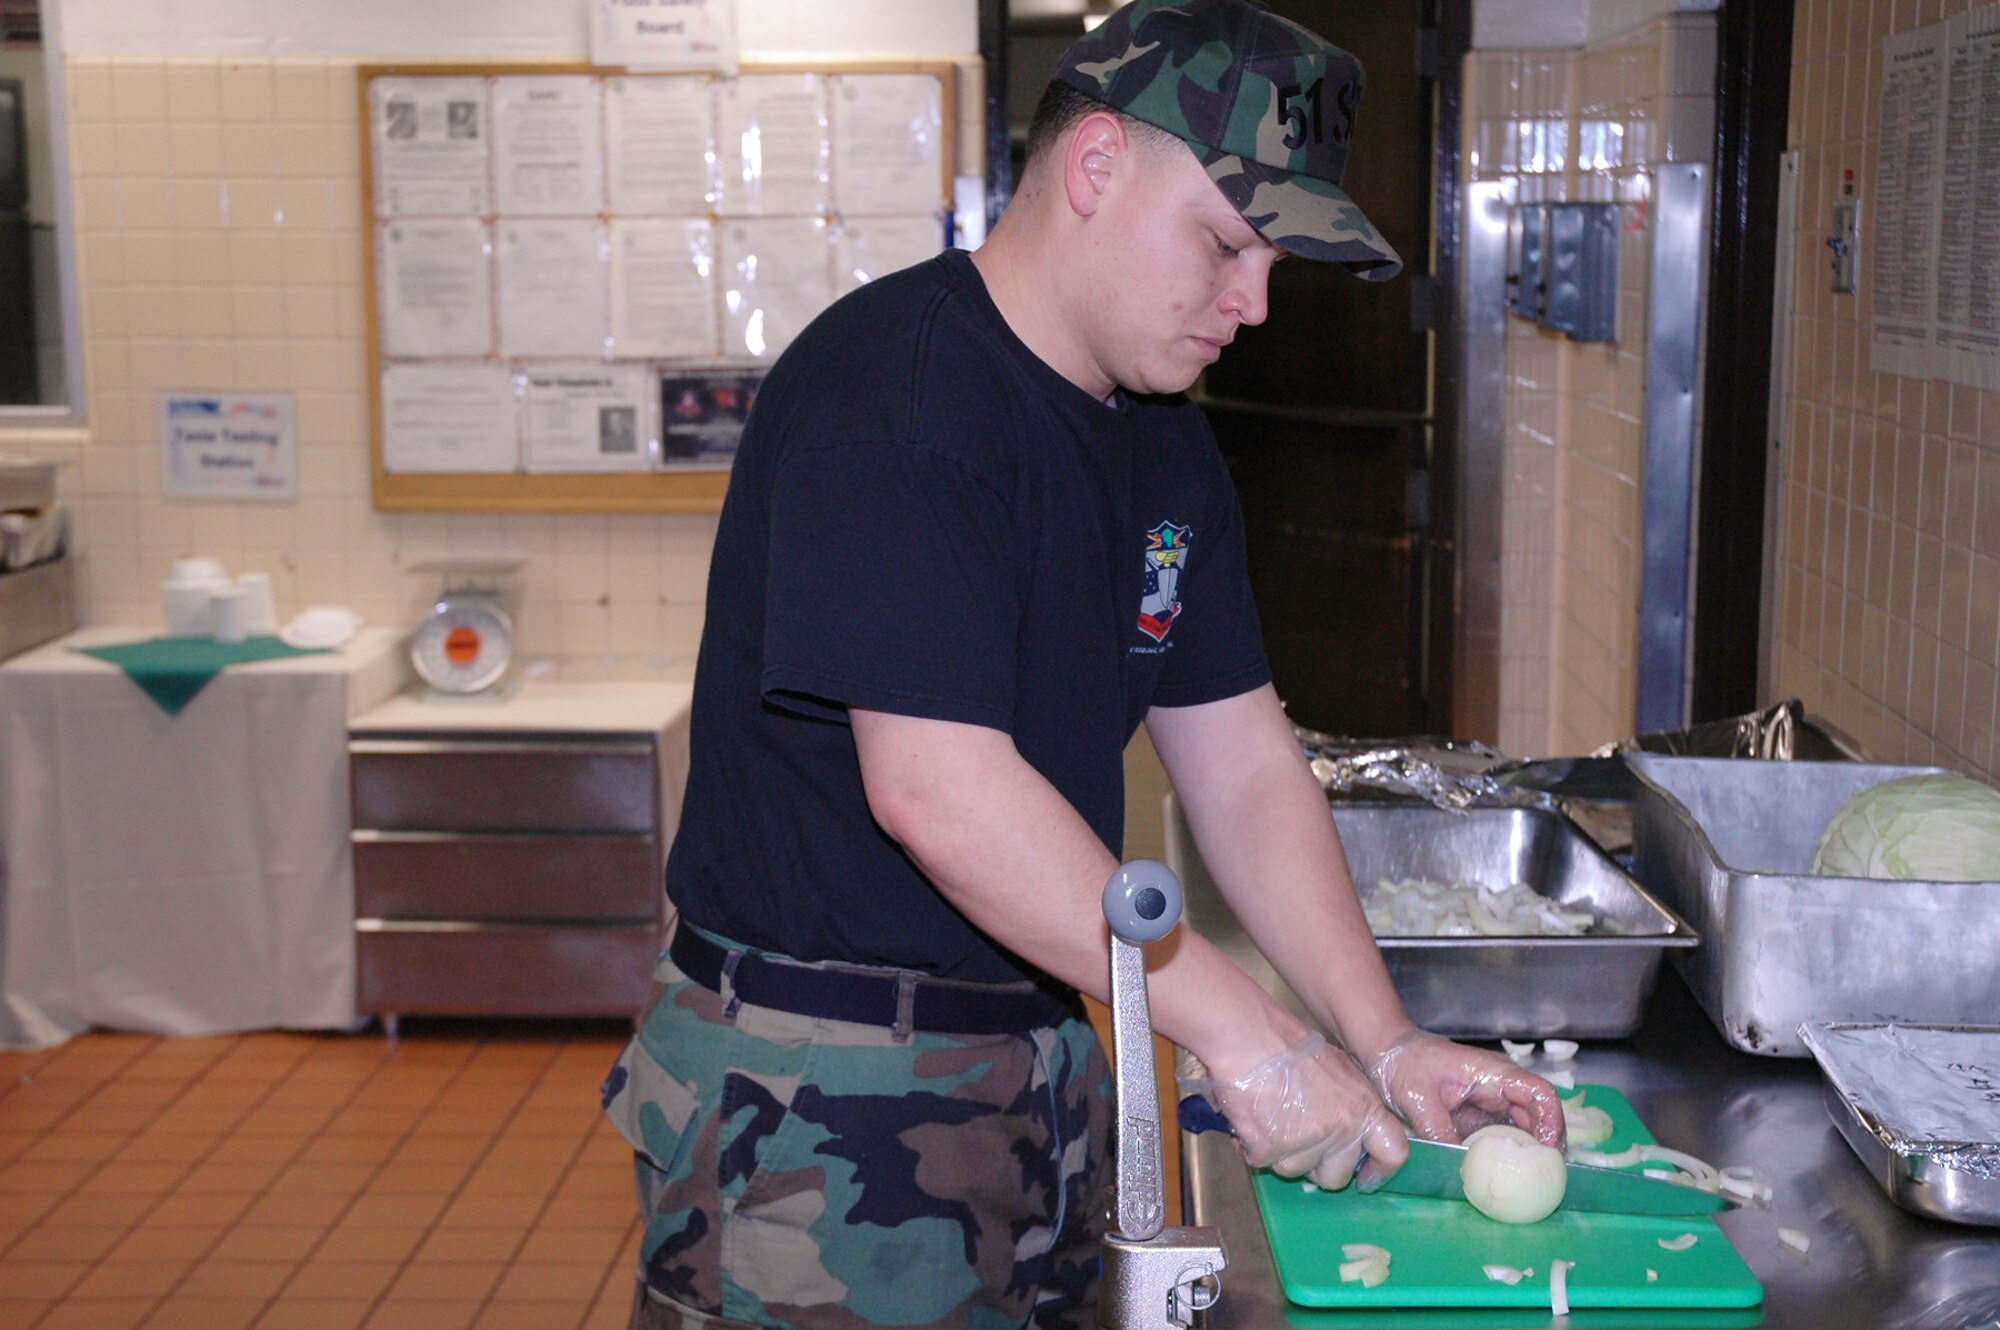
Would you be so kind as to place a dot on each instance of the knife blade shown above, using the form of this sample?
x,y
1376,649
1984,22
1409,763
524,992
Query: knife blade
x,y
1433,1169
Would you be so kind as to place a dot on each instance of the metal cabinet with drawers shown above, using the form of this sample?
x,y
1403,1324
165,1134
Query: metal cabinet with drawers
x,y
511,871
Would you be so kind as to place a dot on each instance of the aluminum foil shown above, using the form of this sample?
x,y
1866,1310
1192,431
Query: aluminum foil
x,y
1452,774
1772,734
1928,1090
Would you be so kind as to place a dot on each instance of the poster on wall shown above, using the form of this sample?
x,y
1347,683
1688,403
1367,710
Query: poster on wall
x,y
664,34
663,288
660,145
449,418
436,287
548,153
588,418
888,143
428,139
552,293
227,446
1936,242
701,416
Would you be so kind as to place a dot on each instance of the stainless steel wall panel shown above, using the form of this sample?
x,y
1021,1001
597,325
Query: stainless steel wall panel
x,y
1674,306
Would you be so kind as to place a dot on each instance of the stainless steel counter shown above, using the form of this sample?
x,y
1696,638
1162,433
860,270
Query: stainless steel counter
x,y
1871,1265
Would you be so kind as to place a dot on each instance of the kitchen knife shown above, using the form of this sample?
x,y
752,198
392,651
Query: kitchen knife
x,y
1433,1170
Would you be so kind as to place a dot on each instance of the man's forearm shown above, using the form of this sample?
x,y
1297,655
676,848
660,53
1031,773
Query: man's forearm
x,y
1288,883
1009,852
1268,840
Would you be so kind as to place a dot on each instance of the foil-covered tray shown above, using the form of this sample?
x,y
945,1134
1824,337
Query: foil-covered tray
x,y
1920,1106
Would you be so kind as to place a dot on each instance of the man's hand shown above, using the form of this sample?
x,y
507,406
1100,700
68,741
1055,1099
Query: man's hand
x,y
1308,1111
1447,1091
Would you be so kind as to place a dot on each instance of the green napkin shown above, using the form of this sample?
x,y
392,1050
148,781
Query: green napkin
x,y
173,669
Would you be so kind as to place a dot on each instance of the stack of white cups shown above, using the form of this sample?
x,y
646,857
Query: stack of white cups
x,y
201,601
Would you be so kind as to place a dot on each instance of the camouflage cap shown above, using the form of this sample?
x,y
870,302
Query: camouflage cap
x,y
1267,106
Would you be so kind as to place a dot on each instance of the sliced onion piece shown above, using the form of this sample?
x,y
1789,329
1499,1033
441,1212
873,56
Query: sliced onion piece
x,y
1357,1250
1652,1276
1519,1052
1681,1243
1692,1172
1559,1286
1559,1050
1502,1274
1360,1268
1599,1159
1587,1126
1740,1184
1565,1079
1795,1240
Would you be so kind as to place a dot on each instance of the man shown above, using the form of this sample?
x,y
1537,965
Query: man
x,y
975,537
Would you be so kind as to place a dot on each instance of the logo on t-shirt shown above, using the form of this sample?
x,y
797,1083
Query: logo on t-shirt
x,y
1166,559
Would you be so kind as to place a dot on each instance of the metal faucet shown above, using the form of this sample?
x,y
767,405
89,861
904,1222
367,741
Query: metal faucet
x,y
1155,1277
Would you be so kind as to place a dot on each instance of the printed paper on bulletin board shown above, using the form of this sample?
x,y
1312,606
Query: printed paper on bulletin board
x,y
1935,243
551,246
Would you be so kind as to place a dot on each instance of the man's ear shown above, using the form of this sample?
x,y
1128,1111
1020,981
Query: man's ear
x,y
1097,149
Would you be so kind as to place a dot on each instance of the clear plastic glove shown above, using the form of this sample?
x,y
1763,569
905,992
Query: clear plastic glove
x,y
1447,1091
1308,1111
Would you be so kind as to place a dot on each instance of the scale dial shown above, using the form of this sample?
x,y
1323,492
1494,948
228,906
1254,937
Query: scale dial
x,y
464,645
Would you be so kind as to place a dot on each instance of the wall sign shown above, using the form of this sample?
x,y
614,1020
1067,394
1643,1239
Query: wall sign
x,y
664,34
227,446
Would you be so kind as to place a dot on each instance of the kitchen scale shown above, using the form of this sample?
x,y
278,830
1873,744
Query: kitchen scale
x,y
463,648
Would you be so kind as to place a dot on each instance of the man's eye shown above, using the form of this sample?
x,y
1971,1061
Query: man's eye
x,y
1225,249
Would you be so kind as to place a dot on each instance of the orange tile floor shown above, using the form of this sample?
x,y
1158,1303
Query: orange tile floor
x,y
459,1177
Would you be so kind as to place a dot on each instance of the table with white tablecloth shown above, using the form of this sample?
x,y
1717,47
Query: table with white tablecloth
x,y
179,874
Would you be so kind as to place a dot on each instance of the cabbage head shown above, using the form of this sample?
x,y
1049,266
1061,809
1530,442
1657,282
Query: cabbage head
x,y
1922,828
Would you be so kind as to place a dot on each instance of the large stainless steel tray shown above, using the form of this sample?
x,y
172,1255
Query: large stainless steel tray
x,y
1921,1182
1591,987
1728,844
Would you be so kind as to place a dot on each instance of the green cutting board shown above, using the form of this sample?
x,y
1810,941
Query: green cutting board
x,y
1437,1247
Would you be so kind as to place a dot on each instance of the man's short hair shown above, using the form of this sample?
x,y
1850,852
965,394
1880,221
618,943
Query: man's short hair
x,y
1062,106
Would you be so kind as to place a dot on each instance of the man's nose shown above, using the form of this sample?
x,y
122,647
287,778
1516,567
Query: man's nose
x,y
1248,297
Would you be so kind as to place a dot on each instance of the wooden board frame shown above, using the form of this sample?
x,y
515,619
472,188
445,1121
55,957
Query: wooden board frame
x,y
576,491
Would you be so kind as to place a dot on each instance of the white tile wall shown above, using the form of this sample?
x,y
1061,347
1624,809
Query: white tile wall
x,y
219,213
1888,619
1587,125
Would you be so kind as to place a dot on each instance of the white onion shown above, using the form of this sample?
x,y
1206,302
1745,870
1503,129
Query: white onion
x,y
1519,1052
1692,1172
1559,1286
1741,1184
1566,1079
1366,1263
1598,1159
1559,1050
1510,1176
1418,907
1652,1276
1796,1240
1586,1125
1681,1243
1502,1274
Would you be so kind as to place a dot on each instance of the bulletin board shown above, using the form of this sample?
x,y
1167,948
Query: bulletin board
x,y
576,276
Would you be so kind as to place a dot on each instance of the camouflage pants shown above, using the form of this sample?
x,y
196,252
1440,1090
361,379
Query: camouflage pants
x,y
798,1172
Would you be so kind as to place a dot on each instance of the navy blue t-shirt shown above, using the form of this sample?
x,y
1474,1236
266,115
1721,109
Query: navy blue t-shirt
x,y
926,519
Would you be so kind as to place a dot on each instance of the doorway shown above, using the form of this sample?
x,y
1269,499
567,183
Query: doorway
x,y
1335,416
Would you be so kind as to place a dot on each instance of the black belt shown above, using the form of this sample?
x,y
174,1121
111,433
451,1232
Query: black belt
x,y
900,1002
